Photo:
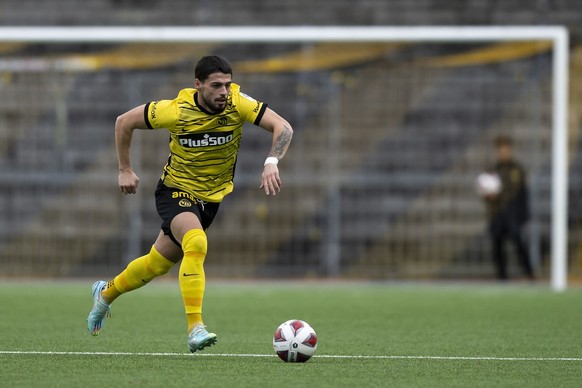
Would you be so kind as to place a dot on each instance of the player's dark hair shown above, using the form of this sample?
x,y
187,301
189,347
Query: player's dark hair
x,y
211,64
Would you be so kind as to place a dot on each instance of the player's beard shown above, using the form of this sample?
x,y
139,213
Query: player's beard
x,y
214,105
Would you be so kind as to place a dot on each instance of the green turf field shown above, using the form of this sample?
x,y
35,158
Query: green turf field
x,y
408,335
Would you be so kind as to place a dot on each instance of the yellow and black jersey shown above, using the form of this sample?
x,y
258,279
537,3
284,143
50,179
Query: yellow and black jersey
x,y
203,146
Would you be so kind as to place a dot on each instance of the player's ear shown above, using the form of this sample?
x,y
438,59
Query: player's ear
x,y
197,83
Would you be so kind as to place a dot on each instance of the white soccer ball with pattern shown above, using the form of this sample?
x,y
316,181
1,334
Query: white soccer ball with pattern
x,y
488,184
295,341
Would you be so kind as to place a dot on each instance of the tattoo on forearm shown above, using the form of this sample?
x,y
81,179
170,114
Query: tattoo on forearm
x,y
281,143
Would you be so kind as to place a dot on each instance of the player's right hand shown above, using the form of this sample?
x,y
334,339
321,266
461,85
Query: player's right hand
x,y
128,182
270,180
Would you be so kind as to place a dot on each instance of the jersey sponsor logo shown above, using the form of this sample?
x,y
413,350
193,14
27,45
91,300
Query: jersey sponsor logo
x,y
182,194
205,139
185,203
257,107
153,110
185,198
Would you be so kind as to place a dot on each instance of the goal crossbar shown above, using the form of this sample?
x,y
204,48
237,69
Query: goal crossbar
x,y
279,34
558,35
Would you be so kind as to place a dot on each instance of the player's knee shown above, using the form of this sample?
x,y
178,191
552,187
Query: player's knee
x,y
195,242
158,264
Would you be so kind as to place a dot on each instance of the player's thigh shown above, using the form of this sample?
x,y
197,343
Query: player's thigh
x,y
168,248
184,222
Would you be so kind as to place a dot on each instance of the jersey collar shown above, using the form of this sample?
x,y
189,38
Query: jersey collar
x,y
200,106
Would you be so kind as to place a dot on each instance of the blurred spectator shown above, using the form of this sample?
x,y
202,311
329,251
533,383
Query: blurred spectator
x,y
508,209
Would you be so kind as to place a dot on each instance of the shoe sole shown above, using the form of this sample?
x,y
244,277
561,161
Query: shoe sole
x,y
208,343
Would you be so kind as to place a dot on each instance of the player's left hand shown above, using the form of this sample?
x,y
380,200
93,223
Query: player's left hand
x,y
271,182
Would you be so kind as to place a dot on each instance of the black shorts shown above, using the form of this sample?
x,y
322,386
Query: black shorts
x,y
170,202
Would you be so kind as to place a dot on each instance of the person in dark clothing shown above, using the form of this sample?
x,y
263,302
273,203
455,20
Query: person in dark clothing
x,y
508,210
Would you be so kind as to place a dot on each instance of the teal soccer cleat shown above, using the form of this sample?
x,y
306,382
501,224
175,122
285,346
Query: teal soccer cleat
x,y
199,338
100,309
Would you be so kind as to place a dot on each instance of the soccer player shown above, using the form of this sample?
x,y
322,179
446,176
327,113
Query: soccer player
x,y
205,126
508,211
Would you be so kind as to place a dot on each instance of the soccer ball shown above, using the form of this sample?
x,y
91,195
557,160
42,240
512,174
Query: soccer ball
x,y
488,184
295,341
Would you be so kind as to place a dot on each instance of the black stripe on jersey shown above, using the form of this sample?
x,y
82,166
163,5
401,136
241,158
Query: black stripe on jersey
x,y
185,106
223,177
145,115
216,163
215,191
182,123
196,113
234,166
169,162
203,158
192,170
260,115
199,163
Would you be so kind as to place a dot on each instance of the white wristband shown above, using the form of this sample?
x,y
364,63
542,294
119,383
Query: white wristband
x,y
271,160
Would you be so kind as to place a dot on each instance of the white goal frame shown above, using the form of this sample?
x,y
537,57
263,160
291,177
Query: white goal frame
x,y
557,35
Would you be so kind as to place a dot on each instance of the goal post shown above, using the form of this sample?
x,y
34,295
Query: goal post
x,y
557,35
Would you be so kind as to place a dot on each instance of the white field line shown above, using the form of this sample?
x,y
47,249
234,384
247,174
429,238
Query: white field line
x,y
379,357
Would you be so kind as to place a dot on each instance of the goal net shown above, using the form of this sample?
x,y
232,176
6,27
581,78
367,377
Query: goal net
x,y
392,126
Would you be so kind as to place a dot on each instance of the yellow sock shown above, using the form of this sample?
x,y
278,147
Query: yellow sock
x,y
192,278
194,320
110,293
137,274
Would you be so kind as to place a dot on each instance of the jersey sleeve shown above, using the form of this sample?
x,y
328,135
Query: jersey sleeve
x,y
161,114
250,109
